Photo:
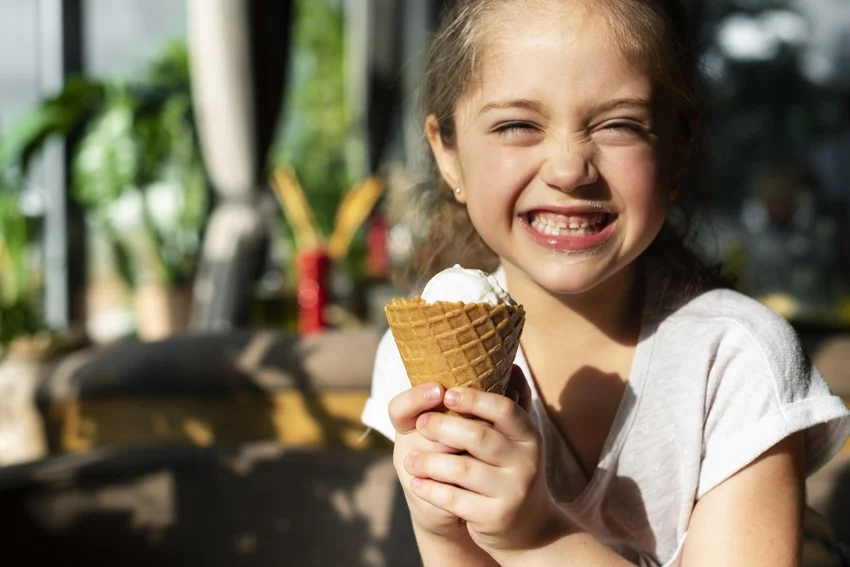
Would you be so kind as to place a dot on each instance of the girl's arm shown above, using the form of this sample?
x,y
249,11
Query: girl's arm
x,y
458,552
756,516
573,548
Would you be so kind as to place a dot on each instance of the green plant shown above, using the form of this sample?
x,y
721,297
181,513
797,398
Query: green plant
x,y
142,148
20,288
20,313
138,150
57,115
317,121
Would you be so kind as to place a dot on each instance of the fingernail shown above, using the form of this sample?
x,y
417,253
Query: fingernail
x,y
451,398
408,462
433,393
421,421
415,482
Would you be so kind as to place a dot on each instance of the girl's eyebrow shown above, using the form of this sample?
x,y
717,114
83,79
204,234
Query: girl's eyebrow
x,y
535,106
620,104
522,103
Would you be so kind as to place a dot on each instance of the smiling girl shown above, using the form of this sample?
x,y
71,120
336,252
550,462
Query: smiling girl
x,y
666,420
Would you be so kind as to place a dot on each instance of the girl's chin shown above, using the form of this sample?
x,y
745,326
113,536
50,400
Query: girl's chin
x,y
572,281
567,290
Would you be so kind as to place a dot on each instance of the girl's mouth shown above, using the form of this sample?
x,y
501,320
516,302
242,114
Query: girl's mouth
x,y
573,231
553,224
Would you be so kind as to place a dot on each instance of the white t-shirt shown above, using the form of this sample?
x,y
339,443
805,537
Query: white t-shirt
x,y
713,385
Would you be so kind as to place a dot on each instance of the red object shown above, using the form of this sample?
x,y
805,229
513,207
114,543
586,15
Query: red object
x,y
312,291
377,249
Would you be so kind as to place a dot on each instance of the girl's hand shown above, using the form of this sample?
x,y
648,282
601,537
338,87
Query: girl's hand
x,y
404,411
499,487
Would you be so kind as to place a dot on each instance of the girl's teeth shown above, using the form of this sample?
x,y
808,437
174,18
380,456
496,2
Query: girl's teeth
x,y
572,226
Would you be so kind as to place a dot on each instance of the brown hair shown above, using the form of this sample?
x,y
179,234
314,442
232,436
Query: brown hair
x,y
653,33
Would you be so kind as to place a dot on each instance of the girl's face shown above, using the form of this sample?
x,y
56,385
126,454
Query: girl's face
x,y
559,153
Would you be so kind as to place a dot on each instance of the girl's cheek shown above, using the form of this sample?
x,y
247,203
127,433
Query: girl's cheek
x,y
496,174
510,165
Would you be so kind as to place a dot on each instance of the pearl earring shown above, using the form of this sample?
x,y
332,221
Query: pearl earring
x,y
457,190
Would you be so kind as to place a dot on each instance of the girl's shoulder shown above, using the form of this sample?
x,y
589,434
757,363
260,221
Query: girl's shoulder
x,y
726,313
734,338
727,303
758,387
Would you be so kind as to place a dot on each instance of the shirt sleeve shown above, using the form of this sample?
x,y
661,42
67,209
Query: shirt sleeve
x,y
389,379
761,389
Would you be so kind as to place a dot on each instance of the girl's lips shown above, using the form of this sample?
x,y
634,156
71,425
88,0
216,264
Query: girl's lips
x,y
569,243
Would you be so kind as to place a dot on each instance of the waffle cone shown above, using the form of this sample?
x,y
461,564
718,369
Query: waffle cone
x,y
457,344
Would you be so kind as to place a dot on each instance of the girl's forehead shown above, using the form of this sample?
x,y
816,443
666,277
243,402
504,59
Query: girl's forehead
x,y
507,16
525,47
516,28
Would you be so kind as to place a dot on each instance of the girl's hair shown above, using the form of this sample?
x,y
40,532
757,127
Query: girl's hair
x,y
654,33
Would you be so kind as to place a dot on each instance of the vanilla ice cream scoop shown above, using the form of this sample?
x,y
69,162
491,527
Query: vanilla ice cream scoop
x,y
458,284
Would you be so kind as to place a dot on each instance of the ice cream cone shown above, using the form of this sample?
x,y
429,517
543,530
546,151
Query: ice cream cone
x,y
457,344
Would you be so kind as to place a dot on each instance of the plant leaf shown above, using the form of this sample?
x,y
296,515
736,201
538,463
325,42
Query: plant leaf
x,y
107,160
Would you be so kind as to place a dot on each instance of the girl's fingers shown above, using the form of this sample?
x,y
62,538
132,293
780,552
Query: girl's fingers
x,y
422,444
505,414
408,405
468,506
460,470
475,437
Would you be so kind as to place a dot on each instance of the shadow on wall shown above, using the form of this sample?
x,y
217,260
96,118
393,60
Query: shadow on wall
x,y
253,504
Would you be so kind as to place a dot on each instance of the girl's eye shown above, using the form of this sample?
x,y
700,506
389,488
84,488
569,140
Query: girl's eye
x,y
631,129
515,128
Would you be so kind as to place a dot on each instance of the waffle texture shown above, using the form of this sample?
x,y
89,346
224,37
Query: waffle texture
x,y
456,344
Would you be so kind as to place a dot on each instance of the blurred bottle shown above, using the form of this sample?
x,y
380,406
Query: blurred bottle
x,y
312,290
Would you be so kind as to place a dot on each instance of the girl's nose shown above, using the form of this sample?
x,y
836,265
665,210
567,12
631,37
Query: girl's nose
x,y
567,169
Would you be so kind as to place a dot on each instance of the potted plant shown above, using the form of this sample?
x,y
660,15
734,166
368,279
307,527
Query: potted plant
x,y
138,174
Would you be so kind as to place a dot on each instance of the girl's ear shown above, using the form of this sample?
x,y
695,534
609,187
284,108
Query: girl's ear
x,y
445,157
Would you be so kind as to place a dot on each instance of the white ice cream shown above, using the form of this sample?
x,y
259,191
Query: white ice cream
x,y
467,286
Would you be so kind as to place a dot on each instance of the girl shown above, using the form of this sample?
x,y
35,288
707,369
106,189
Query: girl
x,y
665,420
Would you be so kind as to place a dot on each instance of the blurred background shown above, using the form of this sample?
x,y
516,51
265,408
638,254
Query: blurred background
x,y
204,207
